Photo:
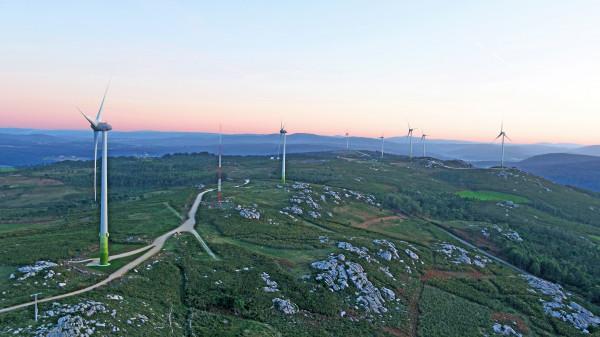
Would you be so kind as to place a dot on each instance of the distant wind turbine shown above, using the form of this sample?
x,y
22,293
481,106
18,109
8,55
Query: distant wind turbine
x,y
503,135
280,136
347,134
410,134
283,132
98,126
219,183
382,138
423,140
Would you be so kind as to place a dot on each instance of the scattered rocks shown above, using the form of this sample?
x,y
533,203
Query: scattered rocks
x,y
38,266
505,330
335,272
362,252
460,255
295,209
315,215
411,254
336,276
299,185
388,293
390,253
285,306
248,212
574,313
272,286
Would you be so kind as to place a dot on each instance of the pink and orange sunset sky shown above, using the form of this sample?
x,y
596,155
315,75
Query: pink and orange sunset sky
x,y
454,69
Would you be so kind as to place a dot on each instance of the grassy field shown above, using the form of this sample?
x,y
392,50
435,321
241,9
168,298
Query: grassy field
x,y
491,195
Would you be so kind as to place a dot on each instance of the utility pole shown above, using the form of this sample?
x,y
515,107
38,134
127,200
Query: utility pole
x,y
36,309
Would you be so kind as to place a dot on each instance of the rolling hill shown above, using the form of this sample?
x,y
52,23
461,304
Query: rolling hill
x,y
351,245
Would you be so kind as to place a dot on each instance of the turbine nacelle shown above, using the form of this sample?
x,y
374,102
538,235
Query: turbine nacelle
x,y
101,127
283,130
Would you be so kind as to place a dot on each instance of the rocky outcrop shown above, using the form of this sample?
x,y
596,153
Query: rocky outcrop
x,y
573,313
337,275
248,212
362,252
505,330
272,286
285,306
29,271
411,254
390,253
460,255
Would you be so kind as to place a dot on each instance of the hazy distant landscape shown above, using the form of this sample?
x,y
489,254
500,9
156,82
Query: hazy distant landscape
x,y
567,164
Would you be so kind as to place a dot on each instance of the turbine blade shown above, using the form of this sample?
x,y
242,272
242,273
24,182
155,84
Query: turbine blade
x,y
99,117
95,158
92,121
495,139
507,137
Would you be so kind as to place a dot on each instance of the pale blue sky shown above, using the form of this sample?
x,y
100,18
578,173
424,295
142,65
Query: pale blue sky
x,y
452,68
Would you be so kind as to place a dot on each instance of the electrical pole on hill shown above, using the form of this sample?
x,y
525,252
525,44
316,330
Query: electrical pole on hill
x,y
36,309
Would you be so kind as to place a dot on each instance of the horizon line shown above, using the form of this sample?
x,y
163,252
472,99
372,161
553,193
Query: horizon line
x,y
307,133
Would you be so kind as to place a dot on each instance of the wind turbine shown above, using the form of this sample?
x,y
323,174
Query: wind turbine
x,y
423,140
382,138
503,135
347,134
283,132
280,136
98,126
410,133
219,183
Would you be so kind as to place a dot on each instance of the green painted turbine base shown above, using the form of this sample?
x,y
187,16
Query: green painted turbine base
x,y
103,249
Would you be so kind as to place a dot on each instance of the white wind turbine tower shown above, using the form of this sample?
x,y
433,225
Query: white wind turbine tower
x,y
382,138
410,134
503,135
98,126
423,140
219,181
347,134
280,136
283,132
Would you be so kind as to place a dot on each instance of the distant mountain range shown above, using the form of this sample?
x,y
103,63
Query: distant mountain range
x,y
564,168
563,163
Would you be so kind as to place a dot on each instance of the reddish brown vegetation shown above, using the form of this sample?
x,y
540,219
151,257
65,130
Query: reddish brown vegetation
x,y
374,221
444,275
395,331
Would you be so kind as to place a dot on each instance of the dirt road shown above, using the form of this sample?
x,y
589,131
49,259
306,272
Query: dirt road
x,y
155,247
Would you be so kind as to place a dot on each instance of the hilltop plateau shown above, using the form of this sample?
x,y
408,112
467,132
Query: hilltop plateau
x,y
351,245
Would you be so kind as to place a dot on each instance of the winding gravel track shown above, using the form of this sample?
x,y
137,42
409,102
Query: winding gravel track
x,y
155,247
